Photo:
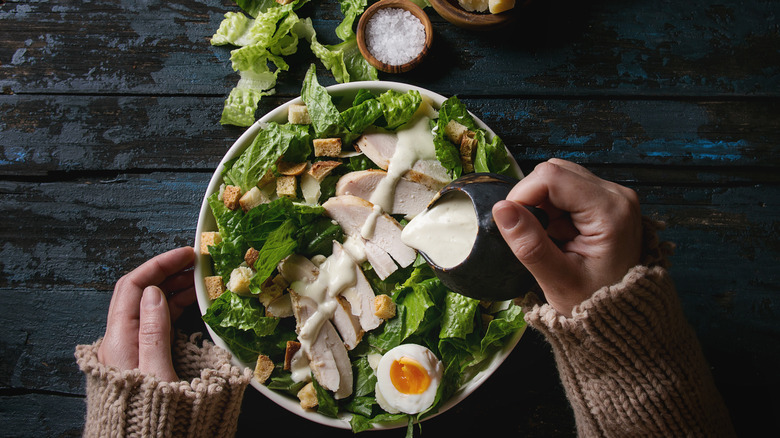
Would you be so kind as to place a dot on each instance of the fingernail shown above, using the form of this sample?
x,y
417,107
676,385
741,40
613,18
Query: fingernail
x,y
152,297
506,216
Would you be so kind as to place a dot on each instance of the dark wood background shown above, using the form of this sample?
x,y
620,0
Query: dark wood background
x,y
109,133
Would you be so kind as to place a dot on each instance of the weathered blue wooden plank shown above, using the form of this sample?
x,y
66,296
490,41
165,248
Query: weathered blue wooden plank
x,y
75,133
701,47
42,415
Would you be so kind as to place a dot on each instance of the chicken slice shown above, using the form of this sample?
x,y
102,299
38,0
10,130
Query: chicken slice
x,y
328,358
352,212
409,198
379,147
381,261
361,295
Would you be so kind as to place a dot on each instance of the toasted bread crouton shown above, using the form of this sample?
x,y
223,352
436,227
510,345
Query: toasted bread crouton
x,y
486,318
320,169
289,352
454,131
231,196
308,396
327,147
207,239
286,186
251,256
239,280
288,169
468,150
269,291
297,113
267,178
384,307
263,369
252,199
214,286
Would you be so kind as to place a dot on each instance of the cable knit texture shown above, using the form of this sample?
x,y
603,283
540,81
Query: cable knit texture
x,y
628,360
127,403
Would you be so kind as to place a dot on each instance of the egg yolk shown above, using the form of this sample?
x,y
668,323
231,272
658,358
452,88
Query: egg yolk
x,y
408,376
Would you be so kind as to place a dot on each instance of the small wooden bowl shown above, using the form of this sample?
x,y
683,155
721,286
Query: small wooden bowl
x,y
400,4
451,11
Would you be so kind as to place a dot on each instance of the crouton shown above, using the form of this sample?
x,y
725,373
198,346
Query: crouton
x,y
263,368
297,113
267,178
468,150
327,147
288,169
231,196
287,186
454,131
251,256
239,280
384,307
207,239
252,199
486,318
308,396
269,291
320,169
214,286
289,352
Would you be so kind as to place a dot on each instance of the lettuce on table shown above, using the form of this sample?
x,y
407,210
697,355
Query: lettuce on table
x,y
271,31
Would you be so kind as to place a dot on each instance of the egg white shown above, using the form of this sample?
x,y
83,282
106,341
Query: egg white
x,y
394,401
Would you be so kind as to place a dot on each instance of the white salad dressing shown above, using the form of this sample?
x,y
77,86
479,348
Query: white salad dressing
x,y
445,232
336,274
415,143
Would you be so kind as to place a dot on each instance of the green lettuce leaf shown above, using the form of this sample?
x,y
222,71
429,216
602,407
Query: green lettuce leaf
x,y
242,324
492,156
281,243
458,317
268,146
325,117
327,405
241,103
398,108
351,10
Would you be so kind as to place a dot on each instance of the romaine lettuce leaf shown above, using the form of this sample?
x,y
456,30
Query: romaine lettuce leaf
x,y
270,143
281,242
351,10
241,103
398,108
458,317
242,324
491,156
325,117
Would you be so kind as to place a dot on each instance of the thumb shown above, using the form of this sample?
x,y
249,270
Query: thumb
x,y
529,242
154,336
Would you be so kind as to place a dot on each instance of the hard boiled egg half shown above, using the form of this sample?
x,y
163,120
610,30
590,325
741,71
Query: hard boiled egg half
x,y
408,377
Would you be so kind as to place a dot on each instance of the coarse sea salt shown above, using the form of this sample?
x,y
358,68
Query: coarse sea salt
x,y
395,36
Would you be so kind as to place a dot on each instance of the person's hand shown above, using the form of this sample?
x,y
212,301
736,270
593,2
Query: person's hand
x,y
597,224
139,326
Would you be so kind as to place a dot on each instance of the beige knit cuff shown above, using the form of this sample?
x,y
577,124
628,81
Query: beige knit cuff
x,y
205,403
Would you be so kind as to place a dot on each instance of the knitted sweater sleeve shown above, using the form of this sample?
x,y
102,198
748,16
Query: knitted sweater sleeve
x,y
205,403
630,363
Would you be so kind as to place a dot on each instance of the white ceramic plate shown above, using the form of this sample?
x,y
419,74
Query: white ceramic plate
x,y
206,222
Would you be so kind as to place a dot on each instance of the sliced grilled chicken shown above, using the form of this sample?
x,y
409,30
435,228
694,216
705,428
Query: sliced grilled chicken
x,y
352,212
379,147
361,295
328,358
347,323
381,261
410,197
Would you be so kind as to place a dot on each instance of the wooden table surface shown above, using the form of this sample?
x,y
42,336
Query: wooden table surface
x,y
109,132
